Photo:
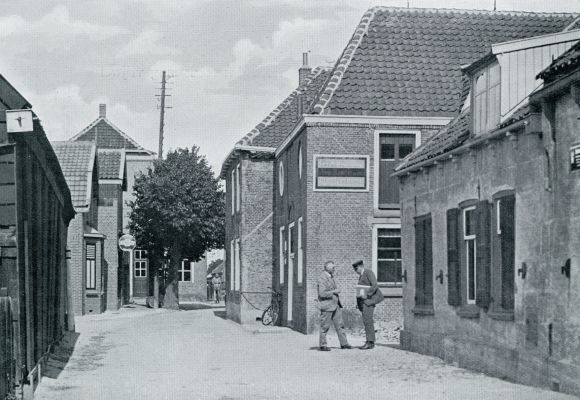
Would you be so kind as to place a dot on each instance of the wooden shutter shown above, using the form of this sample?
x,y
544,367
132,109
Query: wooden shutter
x,y
483,259
419,270
428,263
507,240
453,257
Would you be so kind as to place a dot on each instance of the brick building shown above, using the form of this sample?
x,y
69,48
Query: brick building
x,y
78,161
248,172
397,82
192,281
137,159
35,211
490,221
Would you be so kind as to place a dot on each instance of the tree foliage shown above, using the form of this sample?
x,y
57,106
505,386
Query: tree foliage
x,y
178,209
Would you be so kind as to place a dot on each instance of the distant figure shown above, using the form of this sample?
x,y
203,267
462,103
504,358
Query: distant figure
x,y
216,282
330,308
368,295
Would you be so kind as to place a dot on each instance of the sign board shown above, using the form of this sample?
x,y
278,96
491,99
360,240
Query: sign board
x,y
127,242
19,121
341,172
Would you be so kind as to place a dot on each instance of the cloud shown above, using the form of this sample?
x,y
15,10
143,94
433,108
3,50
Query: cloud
x,y
147,43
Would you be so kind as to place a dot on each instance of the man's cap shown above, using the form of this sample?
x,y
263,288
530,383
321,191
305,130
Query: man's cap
x,y
357,263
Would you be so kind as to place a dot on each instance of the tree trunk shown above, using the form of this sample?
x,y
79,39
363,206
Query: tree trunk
x,y
171,299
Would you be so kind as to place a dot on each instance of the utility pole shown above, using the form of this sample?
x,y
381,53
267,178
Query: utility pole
x,y
162,116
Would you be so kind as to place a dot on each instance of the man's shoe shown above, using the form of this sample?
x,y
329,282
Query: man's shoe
x,y
324,348
368,346
346,347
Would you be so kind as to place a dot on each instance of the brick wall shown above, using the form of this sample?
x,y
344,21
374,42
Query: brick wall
x,y
196,289
337,226
110,226
75,243
135,165
540,346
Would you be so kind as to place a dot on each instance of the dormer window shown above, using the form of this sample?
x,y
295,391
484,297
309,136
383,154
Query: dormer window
x,y
486,99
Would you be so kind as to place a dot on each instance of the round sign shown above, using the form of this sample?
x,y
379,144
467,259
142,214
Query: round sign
x,y
127,242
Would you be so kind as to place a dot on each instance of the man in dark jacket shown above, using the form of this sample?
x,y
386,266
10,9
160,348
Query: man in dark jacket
x,y
367,301
330,308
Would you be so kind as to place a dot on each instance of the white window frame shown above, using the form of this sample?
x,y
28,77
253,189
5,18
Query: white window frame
x,y
182,271
377,159
282,255
300,160
91,268
375,248
233,186
232,264
238,189
281,177
466,239
315,175
237,282
140,269
300,264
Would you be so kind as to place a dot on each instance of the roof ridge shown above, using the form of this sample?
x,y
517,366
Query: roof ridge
x,y
342,64
249,137
469,11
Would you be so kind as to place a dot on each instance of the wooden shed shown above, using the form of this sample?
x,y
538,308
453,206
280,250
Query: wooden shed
x,y
35,210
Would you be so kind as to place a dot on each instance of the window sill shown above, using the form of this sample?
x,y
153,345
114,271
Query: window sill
x,y
468,311
391,290
501,315
92,293
423,310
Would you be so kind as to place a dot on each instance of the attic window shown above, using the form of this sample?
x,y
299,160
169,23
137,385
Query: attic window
x,y
486,99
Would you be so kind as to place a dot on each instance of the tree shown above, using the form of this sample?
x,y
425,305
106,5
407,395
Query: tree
x,y
178,211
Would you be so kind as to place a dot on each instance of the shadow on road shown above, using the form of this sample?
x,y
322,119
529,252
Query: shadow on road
x,y
197,306
221,314
60,355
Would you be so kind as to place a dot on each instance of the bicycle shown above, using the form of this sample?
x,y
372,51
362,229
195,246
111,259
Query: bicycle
x,y
271,314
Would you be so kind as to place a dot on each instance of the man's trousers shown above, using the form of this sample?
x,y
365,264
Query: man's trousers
x,y
335,316
368,322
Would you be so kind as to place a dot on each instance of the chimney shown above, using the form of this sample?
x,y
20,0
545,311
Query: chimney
x,y
102,111
304,70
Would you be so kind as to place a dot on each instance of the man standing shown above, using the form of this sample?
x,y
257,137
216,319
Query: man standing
x,y
216,282
330,308
366,303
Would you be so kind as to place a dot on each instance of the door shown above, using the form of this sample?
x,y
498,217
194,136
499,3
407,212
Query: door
x,y
392,149
291,249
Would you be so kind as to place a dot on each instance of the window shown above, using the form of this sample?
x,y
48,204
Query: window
x,y
389,256
141,263
300,160
281,178
237,265
423,264
469,238
504,250
91,266
282,250
341,173
486,99
238,190
232,263
186,271
233,189
392,146
300,266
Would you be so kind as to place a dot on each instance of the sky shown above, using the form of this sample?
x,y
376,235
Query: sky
x,y
230,63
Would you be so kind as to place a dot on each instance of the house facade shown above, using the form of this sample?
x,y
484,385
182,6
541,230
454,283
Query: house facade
x,y
85,245
490,222
248,172
396,84
192,283
137,160
35,211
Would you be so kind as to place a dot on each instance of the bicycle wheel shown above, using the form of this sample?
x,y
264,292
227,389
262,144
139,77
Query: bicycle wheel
x,y
267,316
275,313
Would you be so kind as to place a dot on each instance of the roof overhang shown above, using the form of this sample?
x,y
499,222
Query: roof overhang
x,y
240,148
555,88
536,41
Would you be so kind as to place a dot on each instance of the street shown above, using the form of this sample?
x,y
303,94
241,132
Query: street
x,y
139,353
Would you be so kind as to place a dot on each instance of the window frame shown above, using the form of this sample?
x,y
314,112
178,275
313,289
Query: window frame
x,y
465,239
281,177
300,263
232,264
233,188
238,187
282,255
375,249
237,269
90,267
185,266
316,157
300,160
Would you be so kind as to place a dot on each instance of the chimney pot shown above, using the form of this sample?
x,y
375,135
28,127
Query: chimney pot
x,y
102,110
304,70
305,59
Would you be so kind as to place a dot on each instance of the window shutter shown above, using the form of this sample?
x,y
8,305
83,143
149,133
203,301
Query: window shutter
x,y
419,271
507,227
428,263
483,259
453,264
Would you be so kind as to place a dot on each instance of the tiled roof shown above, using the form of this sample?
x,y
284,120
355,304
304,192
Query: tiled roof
x,y
563,64
404,61
280,122
77,161
111,164
448,138
108,136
